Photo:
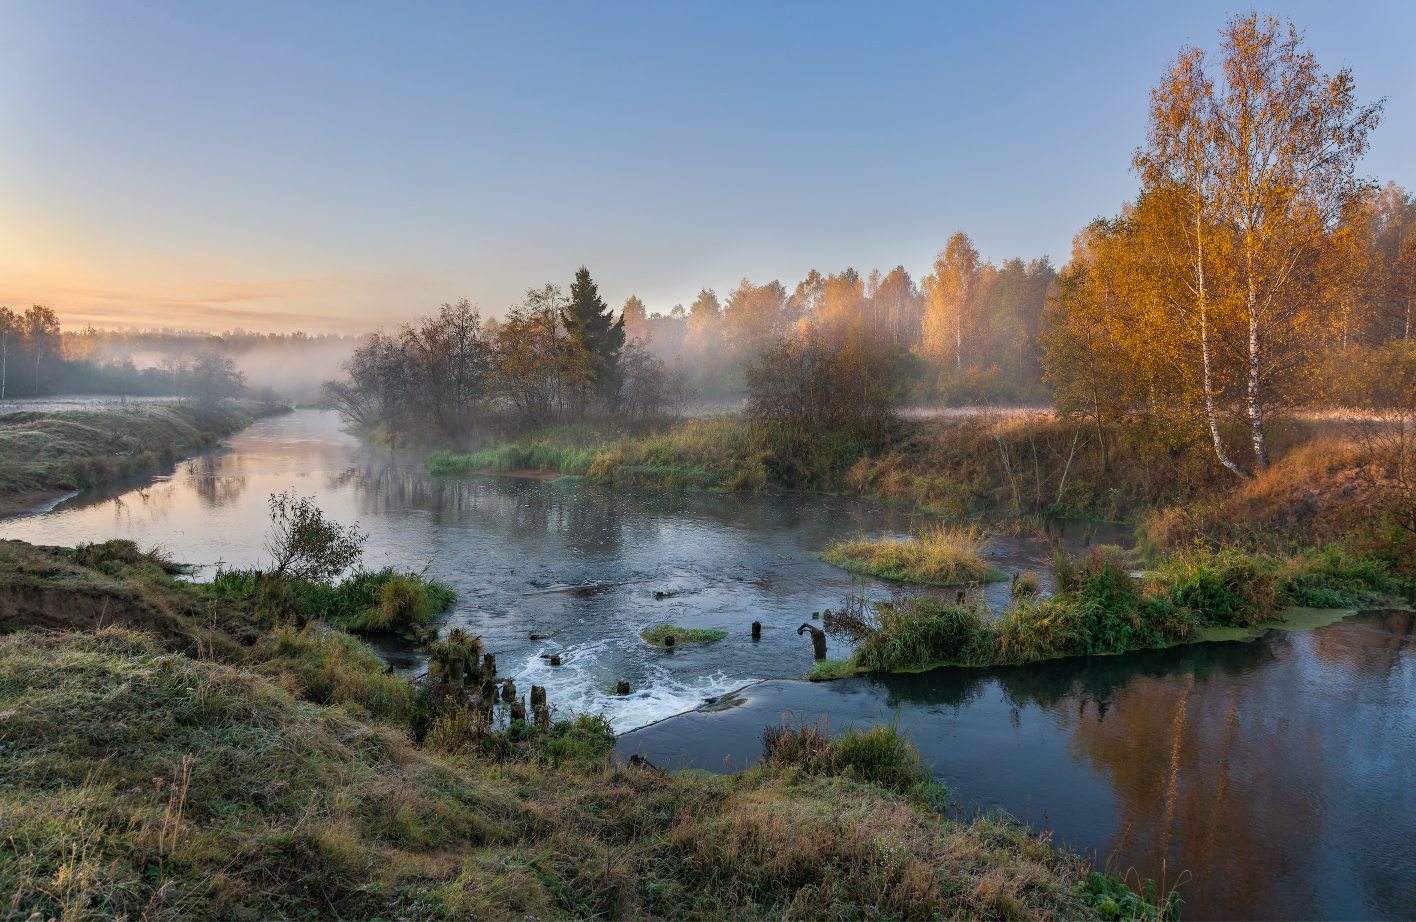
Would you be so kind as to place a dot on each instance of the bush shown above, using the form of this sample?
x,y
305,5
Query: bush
x,y
304,545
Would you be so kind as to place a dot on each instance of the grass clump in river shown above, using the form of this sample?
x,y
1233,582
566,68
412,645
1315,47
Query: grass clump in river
x,y
1101,608
941,554
681,635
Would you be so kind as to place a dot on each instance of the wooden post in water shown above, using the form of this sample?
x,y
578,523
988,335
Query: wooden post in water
x,y
518,710
508,692
757,630
538,696
669,640
622,688
489,665
555,659
818,640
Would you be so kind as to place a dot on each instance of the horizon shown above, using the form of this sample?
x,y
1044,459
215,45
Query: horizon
x,y
333,171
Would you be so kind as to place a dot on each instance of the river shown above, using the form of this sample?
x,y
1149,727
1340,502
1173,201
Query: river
x,y
1272,774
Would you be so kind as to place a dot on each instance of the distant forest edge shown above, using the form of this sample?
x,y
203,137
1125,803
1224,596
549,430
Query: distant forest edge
x,y
39,359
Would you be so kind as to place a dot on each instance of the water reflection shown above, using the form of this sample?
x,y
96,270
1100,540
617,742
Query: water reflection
x,y
1272,771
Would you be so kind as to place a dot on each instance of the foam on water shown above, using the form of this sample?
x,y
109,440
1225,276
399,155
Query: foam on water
x,y
581,683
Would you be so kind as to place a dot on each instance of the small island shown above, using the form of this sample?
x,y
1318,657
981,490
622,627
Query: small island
x,y
940,555
658,636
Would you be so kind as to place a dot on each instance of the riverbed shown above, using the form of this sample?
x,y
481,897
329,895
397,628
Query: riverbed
x,y
1272,774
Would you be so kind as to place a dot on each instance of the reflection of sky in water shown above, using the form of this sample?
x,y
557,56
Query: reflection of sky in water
x,y
1277,772
578,563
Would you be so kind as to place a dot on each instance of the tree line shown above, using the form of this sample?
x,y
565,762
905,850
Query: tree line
x,y
554,357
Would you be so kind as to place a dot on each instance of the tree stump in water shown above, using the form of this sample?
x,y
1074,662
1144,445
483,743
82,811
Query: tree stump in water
x,y
818,640
518,710
757,630
622,688
542,715
669,640
508,692
538,696
489,665
555,659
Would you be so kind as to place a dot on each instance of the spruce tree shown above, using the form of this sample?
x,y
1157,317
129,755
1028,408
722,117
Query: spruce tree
x,y
593,327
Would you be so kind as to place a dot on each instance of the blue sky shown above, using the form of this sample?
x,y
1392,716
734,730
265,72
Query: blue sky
x,y
336,166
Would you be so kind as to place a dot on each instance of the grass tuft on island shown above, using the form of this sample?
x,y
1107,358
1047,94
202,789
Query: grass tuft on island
x,y
942,554
681,635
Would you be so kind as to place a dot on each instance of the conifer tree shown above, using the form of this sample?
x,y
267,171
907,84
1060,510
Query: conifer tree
x,y
593,328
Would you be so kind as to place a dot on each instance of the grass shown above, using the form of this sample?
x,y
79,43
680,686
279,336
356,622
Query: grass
x,y
941,554
365,601
681,635
74,449
563,459
1101,608
139,782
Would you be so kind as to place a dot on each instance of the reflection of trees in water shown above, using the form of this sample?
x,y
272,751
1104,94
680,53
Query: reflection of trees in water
x,y
1223,765
214,488
1090,681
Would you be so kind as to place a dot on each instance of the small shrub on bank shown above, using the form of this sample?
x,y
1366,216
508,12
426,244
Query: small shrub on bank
x,y
881,755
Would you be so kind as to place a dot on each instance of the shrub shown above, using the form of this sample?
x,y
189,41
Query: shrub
x,y
304,545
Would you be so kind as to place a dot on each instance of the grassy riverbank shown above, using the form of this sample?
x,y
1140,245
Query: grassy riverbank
x,y
1321,487
47,453
1102,608
224,765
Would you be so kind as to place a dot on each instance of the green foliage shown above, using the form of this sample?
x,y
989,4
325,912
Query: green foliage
x,y
592,327
366,601
1102,608
1111,899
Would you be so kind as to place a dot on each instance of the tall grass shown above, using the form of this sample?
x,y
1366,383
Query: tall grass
x,y
941,554
365,601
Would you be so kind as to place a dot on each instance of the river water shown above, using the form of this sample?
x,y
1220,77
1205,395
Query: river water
x,y
1274,774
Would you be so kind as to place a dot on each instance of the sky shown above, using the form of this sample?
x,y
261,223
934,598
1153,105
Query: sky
x,y
336,167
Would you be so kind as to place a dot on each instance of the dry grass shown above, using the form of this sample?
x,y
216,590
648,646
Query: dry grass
x,y
941,554
140,783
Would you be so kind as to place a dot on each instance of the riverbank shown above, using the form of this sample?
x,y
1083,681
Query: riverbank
x,y
46,454
174,749
1322,485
